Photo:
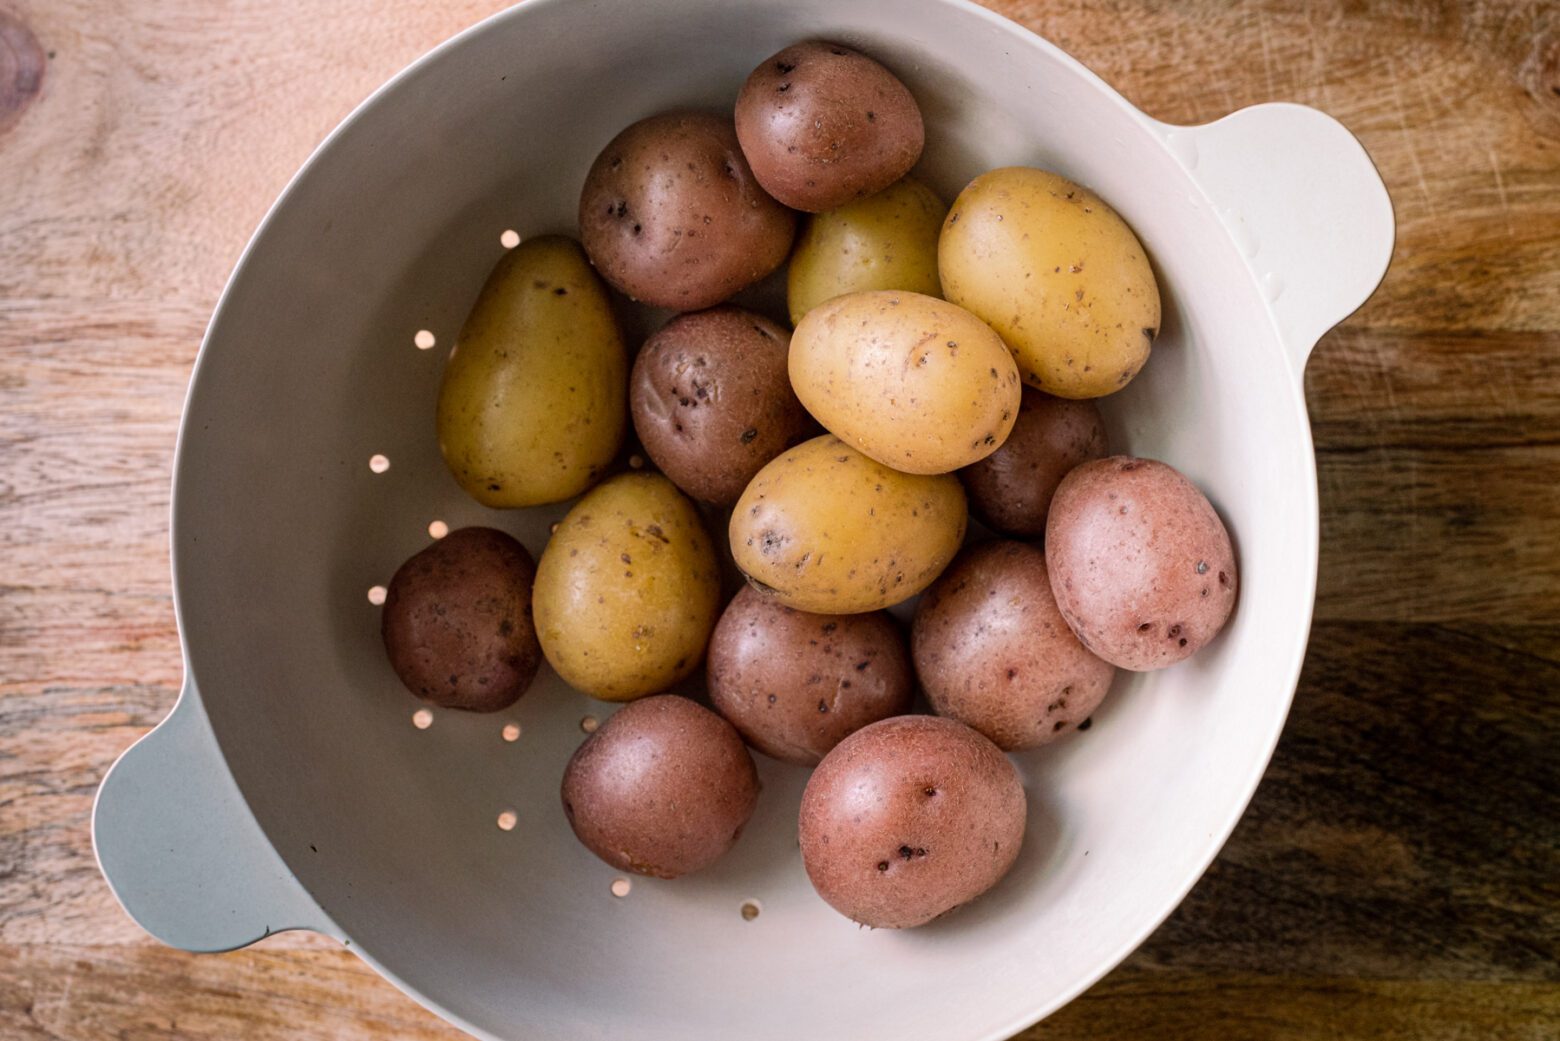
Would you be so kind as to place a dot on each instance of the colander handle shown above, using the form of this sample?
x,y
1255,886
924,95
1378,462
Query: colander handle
x,y
1304,204
181,850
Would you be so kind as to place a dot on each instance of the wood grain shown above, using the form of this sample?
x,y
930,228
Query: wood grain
x,y
1383,827
1442,535
1396,876
1378,389
1256,1008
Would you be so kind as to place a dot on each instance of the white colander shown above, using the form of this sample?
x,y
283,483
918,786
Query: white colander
x,y
290,787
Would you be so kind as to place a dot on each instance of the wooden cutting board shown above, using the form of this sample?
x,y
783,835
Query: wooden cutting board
x,y
1398,875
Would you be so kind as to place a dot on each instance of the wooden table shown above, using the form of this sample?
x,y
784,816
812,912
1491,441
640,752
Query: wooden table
x,y
1398,875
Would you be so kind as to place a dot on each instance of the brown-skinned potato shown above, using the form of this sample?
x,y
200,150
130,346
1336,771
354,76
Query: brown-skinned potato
x,y
796,684
457,621
823,124
672,216
711,402
662,789
992,651
1010,490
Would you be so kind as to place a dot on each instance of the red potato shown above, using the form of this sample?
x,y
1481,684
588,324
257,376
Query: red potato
x,y
992,650
662,789
796,684
823,124
908,819
1010,490
457,621
672,215
711,401
1141,565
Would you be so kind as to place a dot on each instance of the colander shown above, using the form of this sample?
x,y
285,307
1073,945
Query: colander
x,y
297,785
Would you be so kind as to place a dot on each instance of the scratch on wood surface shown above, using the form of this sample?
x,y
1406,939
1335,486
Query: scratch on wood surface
x,y
1267,50
1191,99
1385,364
1320,59
1500,189
1409,142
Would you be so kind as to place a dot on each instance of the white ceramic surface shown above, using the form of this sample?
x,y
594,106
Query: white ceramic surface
x,y
289,788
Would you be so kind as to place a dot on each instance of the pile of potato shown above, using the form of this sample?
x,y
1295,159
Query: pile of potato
x,y
949,356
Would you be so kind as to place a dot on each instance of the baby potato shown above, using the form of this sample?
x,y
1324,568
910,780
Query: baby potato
x,y
909,380
627,589
885,241
1057,273
665,787
1010,490
1140,562
672,216
908,819
457,621
796,684
993,652
533,403
711,401
823,124
824,529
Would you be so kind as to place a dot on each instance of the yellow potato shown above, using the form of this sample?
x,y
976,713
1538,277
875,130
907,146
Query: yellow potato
x,y
912,381
1058,274
534,401
627,589
885,241
825,529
